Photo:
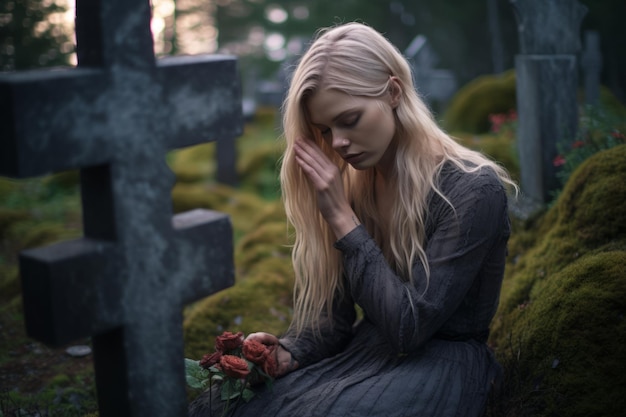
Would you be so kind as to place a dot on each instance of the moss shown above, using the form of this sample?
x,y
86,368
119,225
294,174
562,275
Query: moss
x,y
193,164
612,103
596,189
66,180
268,240
259,302
8,218
573,339
44,233
559,330
471,106
261,166
7,187
10,287
500,148
60,381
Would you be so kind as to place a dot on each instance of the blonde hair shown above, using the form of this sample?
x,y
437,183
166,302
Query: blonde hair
x,y
357,60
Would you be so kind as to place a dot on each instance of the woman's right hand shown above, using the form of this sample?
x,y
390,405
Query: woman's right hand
x,y
284,362
325,177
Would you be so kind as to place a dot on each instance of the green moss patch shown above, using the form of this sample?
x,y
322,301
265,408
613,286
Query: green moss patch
x,y
471,106
560,331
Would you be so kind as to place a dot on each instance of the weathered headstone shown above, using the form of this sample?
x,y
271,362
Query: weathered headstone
x,y
126,282
436,85
547,82
495,33
592,66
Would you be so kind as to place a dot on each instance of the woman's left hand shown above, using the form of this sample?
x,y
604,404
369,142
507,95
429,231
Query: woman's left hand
x,y
326,179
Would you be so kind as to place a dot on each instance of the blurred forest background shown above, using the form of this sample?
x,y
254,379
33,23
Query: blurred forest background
x,y
469,37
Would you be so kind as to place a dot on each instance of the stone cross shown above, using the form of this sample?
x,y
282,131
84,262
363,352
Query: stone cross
x,y
547,82
592,66
127,280
435,85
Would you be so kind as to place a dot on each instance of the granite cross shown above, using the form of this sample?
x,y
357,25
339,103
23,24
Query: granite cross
x,y
127,280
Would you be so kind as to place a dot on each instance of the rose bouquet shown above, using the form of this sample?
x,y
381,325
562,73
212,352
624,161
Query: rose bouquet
x,y
236,364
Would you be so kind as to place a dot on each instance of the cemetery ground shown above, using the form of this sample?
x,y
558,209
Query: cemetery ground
x,y
559,333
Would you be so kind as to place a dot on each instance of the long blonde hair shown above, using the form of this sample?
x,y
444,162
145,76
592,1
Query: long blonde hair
x,y
357,60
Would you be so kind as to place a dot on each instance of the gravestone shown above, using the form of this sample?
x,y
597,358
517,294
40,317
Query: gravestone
x,y
127,280
592,66
436,85
547,82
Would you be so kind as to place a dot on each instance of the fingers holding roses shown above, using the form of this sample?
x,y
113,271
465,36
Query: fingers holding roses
x,y
261,355
282,361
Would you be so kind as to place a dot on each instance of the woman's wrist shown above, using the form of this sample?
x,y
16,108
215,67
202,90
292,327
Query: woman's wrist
x,y
344,225
285,361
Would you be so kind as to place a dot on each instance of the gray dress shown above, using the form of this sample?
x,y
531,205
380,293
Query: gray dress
x,y
420,350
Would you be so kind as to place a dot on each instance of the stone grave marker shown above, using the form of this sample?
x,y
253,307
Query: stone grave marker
x,y
437,86
127,280
547,82
592,66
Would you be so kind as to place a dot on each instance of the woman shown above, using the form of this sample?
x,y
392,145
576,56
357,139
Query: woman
x,y
391,215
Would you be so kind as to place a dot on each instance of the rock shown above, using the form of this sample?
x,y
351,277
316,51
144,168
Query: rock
x,y
78,351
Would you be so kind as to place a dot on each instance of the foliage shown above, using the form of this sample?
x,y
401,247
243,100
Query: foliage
x,y
470,109
599,129
30,38
454,28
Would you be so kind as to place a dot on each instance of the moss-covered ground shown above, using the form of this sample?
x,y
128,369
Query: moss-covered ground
x,y
559,332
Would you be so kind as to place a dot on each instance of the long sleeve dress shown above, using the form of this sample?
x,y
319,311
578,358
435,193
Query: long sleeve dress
x,y
420,349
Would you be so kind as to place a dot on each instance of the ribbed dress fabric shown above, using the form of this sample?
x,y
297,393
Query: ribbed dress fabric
x,y
420,349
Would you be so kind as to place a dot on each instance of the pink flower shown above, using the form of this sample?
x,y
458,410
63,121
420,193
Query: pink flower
x,y
558,161
617,134
512,115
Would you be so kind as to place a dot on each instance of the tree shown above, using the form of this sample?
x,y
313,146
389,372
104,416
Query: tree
x,y
32,34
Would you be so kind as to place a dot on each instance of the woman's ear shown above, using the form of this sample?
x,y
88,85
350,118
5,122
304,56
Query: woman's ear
x,y
395,92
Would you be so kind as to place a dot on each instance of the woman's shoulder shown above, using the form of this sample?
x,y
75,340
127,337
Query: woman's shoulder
x,y
467,190
469,176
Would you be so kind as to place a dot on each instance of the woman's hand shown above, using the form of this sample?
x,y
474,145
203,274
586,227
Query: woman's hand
x,y
284,362
326,179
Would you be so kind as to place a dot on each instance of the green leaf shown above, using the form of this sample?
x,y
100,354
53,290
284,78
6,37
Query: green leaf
x,y
230,389
247,394
195,375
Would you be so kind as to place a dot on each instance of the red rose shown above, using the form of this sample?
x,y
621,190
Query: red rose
x,y
254,351
209,360
228,341
234,366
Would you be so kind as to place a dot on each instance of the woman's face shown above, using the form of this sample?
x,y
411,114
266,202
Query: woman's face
x,y
360,129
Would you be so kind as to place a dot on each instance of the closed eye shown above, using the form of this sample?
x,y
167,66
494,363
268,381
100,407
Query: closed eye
x,y
352,121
